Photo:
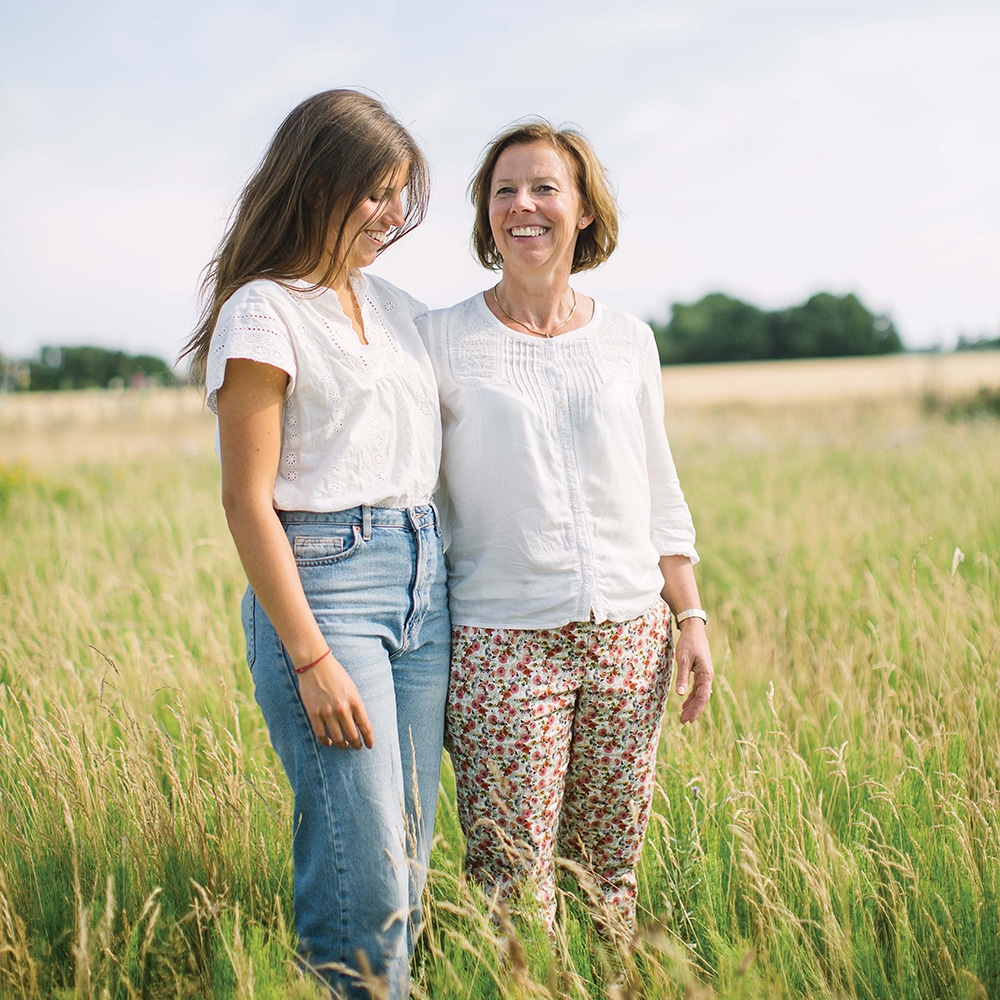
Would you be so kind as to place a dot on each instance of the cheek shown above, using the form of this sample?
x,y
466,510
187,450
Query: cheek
x,y
360,220
496,218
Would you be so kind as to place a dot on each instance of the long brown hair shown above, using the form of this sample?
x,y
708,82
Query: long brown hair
x,y
596,243
330,153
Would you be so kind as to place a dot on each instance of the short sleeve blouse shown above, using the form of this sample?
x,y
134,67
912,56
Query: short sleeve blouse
x,y
361,422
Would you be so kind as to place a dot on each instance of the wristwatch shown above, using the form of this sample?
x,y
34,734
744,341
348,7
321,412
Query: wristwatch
x,y
683,616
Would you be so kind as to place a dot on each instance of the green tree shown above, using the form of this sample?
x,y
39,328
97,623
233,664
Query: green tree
x,y
95,367
720,328
830,326
715,328
981,343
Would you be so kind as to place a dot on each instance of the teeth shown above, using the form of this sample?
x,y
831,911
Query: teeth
x,y
376,235
527,231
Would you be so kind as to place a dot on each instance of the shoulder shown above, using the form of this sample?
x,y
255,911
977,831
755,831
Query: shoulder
x,y
460,339
458,318
622,323
623,335
261,290
256,323
261,298
391,297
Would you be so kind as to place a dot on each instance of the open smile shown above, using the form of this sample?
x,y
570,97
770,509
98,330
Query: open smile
x,y
528,231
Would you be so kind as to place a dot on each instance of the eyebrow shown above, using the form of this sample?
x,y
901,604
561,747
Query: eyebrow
x,y
534,180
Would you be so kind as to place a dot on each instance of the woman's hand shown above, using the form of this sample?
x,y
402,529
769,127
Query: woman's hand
x,y
335,707
694,658
694,668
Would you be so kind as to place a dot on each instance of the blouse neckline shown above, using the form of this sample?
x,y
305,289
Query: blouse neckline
x,y
374,322
584,330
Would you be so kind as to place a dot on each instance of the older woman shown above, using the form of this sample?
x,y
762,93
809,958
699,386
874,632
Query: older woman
x,y
567,532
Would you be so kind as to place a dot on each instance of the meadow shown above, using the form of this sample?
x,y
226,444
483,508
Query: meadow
x,y
830,829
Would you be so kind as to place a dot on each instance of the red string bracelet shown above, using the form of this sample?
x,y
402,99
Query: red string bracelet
x,y
309,666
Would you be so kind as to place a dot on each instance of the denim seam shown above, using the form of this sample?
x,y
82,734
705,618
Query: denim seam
x,y
316,749
419,589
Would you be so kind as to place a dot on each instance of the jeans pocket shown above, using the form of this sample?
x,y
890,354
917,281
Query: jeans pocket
x,y
338,544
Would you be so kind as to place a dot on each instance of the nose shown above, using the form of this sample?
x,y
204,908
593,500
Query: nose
x,y
523,202
393,212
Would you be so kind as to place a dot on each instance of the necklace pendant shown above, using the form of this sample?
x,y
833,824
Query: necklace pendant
x,y
548,335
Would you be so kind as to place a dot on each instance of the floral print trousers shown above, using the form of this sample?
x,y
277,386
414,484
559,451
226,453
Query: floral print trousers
x,y
553,736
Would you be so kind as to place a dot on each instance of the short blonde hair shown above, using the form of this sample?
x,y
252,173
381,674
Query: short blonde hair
x,y
597,242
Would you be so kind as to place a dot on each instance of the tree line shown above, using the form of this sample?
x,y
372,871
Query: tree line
x,y
715,328
721,328
85,368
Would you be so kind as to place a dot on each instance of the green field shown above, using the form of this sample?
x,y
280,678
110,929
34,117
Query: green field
x,y
830,829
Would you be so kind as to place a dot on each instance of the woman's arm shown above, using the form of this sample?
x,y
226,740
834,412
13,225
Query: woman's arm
x,y
249,404
673,530
694,658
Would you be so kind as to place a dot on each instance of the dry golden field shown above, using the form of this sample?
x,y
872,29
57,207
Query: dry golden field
x,y
46,428
829,379
53,428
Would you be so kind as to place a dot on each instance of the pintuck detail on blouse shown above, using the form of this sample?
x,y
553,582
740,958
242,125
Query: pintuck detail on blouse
x,y
558,489
360,422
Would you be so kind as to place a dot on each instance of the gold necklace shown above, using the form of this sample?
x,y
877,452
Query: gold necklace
x,y
531,329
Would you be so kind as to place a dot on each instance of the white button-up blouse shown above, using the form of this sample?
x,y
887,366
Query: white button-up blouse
x,y
558,491
360,422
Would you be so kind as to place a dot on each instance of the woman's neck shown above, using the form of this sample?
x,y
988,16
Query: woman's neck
x,y
339,281
544,306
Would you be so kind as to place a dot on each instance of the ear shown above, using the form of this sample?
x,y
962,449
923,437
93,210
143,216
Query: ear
x,y
585,220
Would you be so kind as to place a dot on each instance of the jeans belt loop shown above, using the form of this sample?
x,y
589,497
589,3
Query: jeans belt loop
x,y
366,522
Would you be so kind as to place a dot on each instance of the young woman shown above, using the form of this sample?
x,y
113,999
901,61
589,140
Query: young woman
x,y
568,532
329,439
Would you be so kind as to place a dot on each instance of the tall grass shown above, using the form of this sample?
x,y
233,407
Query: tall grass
x,y
830,829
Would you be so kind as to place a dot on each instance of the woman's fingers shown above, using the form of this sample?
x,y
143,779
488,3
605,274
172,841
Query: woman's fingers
x,y
701,691
345,725
683,674
695,672
365,732
335,708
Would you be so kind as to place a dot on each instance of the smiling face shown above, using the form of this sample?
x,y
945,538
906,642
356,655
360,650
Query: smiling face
x,y
368,226
535,208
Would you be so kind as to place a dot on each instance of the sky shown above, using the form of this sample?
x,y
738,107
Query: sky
x,y
768,149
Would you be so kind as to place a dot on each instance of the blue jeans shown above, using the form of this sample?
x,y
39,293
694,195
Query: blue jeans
x,y
363,819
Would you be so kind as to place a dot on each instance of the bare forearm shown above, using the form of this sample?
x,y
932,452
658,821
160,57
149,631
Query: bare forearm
x,y
250,405
270,568
680,589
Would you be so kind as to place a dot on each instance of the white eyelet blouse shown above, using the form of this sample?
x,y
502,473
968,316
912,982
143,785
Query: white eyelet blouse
x,y
361,422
